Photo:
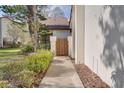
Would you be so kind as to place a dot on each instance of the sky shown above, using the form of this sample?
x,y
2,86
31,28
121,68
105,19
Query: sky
x,y
66,9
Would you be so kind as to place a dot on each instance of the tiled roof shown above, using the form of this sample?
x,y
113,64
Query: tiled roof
x,y
61,21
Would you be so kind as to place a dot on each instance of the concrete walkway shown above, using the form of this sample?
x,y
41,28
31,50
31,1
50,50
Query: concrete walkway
x,y
61,74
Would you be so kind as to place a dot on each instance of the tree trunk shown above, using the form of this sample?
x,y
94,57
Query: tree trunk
x,y
30,19
32,23
35,27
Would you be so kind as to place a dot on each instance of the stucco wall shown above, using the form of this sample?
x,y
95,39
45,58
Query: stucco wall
x,y
61,33
4,26
79,33
53,44
4,22
72,26
104,42
1,39
70,44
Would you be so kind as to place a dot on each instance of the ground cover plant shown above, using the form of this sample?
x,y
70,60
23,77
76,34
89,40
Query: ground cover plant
x,y
26,72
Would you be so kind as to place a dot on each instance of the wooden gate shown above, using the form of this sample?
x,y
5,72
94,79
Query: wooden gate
x,y
61,47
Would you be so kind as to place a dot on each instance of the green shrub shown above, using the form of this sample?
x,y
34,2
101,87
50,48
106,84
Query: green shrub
x,y
24,78
23,73
27,48
40,61
1,75
46,53
12,68
4,84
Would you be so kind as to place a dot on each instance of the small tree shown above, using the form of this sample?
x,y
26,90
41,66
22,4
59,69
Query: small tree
x,y
44,34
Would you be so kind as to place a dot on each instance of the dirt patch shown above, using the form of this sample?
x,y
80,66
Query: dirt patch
x,y
89,78
38,78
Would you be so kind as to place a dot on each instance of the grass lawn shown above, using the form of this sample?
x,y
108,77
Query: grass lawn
x,y
10,54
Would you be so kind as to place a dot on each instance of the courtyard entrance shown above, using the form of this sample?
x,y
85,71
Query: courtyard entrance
x,y
62,47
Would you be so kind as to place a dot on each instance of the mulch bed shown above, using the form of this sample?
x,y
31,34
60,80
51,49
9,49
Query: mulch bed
x,y
89,78
38,78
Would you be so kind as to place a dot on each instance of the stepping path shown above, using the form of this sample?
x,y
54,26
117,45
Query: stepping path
x,y
61,74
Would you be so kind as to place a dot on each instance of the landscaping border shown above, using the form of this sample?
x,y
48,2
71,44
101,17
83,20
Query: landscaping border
x,y
88,77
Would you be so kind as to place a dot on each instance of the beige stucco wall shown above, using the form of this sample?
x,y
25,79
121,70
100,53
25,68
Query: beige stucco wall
x,y
72,26
1,38
70,44
61,33
79,33
104,42
98,39
53,44
5,25
4,28
94,43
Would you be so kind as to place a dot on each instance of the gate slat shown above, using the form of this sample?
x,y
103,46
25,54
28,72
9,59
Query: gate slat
x,y
61,47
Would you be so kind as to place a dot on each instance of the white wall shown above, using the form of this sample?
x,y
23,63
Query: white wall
x,y
94,42
104,42
1,38
4,26
61,33
4,22
70,44
72,26
79,33
53,44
